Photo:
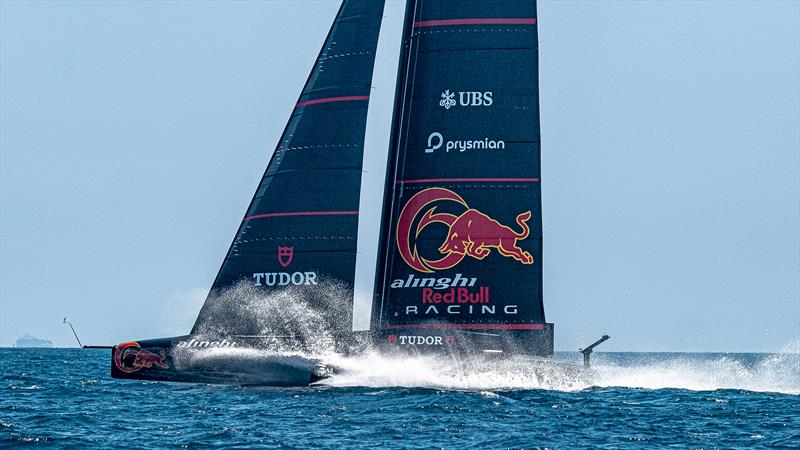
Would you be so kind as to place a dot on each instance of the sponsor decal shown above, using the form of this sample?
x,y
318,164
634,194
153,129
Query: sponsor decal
x,y
450,294
420,340
436,283
456,309
460,295
436,141
472,233
447,100
285,255
194,343
284,278
466,98
131,357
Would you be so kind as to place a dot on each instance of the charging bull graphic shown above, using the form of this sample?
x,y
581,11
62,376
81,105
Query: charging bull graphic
x,y
472,233
131,357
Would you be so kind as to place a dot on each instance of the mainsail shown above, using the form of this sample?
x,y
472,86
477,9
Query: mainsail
x,y
300,228
462,231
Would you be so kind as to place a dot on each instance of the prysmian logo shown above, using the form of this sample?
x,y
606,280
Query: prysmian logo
x,y
471,98
437,141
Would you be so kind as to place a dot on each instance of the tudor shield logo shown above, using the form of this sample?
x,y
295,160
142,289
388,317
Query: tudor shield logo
x,y
285,255
471,233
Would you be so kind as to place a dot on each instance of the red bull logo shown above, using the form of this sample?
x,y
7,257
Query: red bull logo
x,y
472,233
131,357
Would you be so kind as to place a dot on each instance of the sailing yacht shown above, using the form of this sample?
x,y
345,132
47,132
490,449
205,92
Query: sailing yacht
x,y
457,266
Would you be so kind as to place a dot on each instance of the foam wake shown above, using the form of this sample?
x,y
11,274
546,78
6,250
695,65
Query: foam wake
x,y
477,373
777,372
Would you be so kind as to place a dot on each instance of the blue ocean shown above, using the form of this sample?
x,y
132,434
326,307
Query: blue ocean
x,y
65,398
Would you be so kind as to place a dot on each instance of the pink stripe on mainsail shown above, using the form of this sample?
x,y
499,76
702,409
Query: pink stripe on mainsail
x,y
456,180
471,326
303,213
352,98
488,21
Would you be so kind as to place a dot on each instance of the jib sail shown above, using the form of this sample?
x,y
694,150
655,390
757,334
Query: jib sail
x,y
300,228
462,214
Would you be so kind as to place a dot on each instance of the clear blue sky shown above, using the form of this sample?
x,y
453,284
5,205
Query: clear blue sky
x,y
133,134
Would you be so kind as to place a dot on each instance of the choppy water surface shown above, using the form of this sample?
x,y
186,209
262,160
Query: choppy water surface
x,y
65,398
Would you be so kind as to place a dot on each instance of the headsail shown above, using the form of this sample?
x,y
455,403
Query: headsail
x,y
462,216
300,228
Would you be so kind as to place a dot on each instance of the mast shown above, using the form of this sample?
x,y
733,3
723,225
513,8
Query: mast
x,y
462,224
376,144
301,226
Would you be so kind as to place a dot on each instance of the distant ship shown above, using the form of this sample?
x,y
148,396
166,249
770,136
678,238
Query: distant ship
x,y
459,268
28,341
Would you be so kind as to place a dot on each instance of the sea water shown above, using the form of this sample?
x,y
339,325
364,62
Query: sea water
x,y
66,398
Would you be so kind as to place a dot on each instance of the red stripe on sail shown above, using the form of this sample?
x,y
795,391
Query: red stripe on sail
x,y
493,21
352,98
471,326
303,213
456,180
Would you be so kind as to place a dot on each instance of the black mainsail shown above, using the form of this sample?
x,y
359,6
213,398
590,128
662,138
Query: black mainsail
x,y
298,232
301,226
462,231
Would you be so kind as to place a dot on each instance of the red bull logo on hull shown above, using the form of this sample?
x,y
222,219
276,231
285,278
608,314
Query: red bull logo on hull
x,y
472,233
131,357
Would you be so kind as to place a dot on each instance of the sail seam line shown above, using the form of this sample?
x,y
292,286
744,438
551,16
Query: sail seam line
x,y
305,147
302,213
447,180
340,55
350,98
475,21
472,326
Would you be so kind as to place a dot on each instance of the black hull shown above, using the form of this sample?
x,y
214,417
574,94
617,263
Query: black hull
x,y
242,360
202,359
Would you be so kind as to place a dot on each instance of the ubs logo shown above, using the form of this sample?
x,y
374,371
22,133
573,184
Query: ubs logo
x,y
465,98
